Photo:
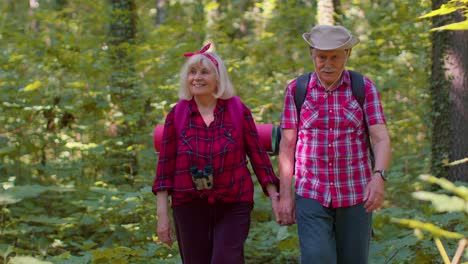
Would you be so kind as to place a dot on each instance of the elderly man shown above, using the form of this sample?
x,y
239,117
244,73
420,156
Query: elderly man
x,y
323,150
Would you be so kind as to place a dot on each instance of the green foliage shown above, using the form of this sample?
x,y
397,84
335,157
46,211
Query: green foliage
x,y
76,150
449,8
442,203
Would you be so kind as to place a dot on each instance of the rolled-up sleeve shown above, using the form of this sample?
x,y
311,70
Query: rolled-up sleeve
x,y
259,158
167,157
372,105
289,114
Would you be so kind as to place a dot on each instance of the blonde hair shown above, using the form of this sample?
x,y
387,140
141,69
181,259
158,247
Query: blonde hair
x,y
224,90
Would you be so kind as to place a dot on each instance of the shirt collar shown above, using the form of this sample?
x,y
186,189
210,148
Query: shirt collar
x,y
345,79
220,105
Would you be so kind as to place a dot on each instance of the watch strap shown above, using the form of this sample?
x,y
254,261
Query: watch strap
x,y
382,174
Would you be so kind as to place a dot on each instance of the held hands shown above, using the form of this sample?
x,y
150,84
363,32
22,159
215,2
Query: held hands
x,y
286,211
164,229
374,193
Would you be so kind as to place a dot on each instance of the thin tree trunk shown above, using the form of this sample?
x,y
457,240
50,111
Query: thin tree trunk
x,y
33,5
457,67
449,93
161,12
440,99
122,81
325,12
211,16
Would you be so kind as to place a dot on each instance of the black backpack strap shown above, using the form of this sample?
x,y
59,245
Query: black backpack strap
x,y
301,89
358,87
357,84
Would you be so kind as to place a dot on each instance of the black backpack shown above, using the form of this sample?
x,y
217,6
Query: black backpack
x,y
357,85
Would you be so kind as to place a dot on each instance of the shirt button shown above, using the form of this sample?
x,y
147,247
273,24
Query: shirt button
x,y
332,184
331,111
331,129
329,145
329,164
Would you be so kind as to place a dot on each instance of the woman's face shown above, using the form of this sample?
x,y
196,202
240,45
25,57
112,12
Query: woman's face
x,y
201,80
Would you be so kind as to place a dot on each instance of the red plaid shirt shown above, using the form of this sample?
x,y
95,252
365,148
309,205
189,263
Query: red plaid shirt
x,y
216,145
332,163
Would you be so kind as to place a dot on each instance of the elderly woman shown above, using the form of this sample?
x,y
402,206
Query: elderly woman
x,y
203,166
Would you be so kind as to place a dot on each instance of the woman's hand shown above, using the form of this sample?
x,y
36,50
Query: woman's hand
x,y
274,198
164,229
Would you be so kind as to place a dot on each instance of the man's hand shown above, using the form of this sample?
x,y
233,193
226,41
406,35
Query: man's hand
x,y
286,211
374,194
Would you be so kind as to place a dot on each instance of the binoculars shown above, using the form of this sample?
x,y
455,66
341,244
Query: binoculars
x,y
269,135
203,179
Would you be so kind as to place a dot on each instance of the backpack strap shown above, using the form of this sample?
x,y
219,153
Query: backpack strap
x,y
358,87
180,115
300,93
237,116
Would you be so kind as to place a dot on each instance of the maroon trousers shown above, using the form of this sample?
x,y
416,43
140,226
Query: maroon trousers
x,y
212,233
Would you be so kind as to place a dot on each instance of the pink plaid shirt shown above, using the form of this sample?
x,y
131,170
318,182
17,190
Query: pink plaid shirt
x,y
216,145
332,164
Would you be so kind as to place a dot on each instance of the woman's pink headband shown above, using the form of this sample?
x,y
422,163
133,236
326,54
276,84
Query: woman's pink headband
x,y
202,52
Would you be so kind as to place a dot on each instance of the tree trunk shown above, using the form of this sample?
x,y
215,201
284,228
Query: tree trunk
x,y
457,67
161,11
122,37
449,95
122,32
33,5
325,12
211,22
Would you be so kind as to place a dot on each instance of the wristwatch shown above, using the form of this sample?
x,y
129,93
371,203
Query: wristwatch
x,y
382,174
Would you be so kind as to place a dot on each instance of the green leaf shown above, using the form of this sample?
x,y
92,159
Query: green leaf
x,y
454,26
27,260
6,150
44,219
461,191
443,203
8,198
431,228
443,10
32,86
458,162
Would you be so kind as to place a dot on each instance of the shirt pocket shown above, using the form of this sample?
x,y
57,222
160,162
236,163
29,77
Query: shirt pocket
x,y
352,114
309,115
186,141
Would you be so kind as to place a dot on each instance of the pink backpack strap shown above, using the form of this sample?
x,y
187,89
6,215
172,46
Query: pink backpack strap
x,y
180,115
237,116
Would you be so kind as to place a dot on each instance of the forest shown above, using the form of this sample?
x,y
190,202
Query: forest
x,y
84,83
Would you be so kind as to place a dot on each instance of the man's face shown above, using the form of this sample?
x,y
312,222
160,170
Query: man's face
x,y
329,64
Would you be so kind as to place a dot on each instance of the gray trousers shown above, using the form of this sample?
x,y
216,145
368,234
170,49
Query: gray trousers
x,y
332,235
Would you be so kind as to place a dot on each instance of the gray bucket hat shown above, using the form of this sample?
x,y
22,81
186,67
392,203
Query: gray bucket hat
x,y
326,37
